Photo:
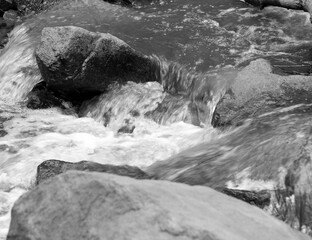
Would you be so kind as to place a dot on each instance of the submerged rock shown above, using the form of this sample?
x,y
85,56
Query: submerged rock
x,y
79,63
123,103
51,168
257,90
78,205
272,151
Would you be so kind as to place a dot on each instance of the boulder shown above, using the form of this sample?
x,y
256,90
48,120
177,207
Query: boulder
x,y
51,168
80,64
257,89
79,205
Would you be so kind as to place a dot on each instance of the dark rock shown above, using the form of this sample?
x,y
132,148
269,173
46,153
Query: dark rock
x,y
51,168
80,64
79,205
3,133
41,97
127,128
257,90
260,199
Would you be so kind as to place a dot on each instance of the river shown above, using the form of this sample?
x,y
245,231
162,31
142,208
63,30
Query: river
x,y
204,36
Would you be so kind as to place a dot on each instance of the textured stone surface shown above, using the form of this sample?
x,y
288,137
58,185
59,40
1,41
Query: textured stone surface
x,y
51,168
77,62
78,205
257,90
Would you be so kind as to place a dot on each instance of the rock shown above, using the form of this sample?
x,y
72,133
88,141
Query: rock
x,y
10,17
79,205
51,168
123,103
79,63
257,90
41,97
260,199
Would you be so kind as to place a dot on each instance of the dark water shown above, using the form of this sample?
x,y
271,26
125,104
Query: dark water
x,y
200,34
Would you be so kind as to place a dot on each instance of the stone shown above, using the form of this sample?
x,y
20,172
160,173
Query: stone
x,y
10,17
51,168
256,90
260,199
80,64
79,205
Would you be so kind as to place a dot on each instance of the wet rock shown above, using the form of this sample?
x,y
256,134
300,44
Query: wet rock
x,y
10,17
51,168
257,90
41,97
127,128
3,133
123,103
79,205
260,199
80,64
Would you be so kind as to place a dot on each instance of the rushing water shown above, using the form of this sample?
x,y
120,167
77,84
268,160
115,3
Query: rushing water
x,y
214,36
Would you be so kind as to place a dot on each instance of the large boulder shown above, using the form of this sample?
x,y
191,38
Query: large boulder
x,y
80,63
78,205
51,168
259,88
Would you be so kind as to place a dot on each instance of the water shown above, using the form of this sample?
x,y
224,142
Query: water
x,y
211,39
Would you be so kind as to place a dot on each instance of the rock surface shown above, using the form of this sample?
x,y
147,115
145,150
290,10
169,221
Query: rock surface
x,y
257,90
80,63
78,205
51,168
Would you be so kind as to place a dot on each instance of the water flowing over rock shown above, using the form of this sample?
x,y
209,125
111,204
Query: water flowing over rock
x,y
123,103
51,168
77,62
78,205
261,154
257,90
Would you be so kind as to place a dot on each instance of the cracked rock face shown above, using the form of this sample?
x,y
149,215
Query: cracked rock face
x,y
77,63
79,205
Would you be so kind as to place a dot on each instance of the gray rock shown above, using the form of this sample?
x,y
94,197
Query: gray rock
x,y
79,205
257,90
51,168
80,63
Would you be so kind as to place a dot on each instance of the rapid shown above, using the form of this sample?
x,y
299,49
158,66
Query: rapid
x,y
215,37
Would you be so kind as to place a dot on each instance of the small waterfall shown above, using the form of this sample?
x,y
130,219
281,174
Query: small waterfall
x,y
18,68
